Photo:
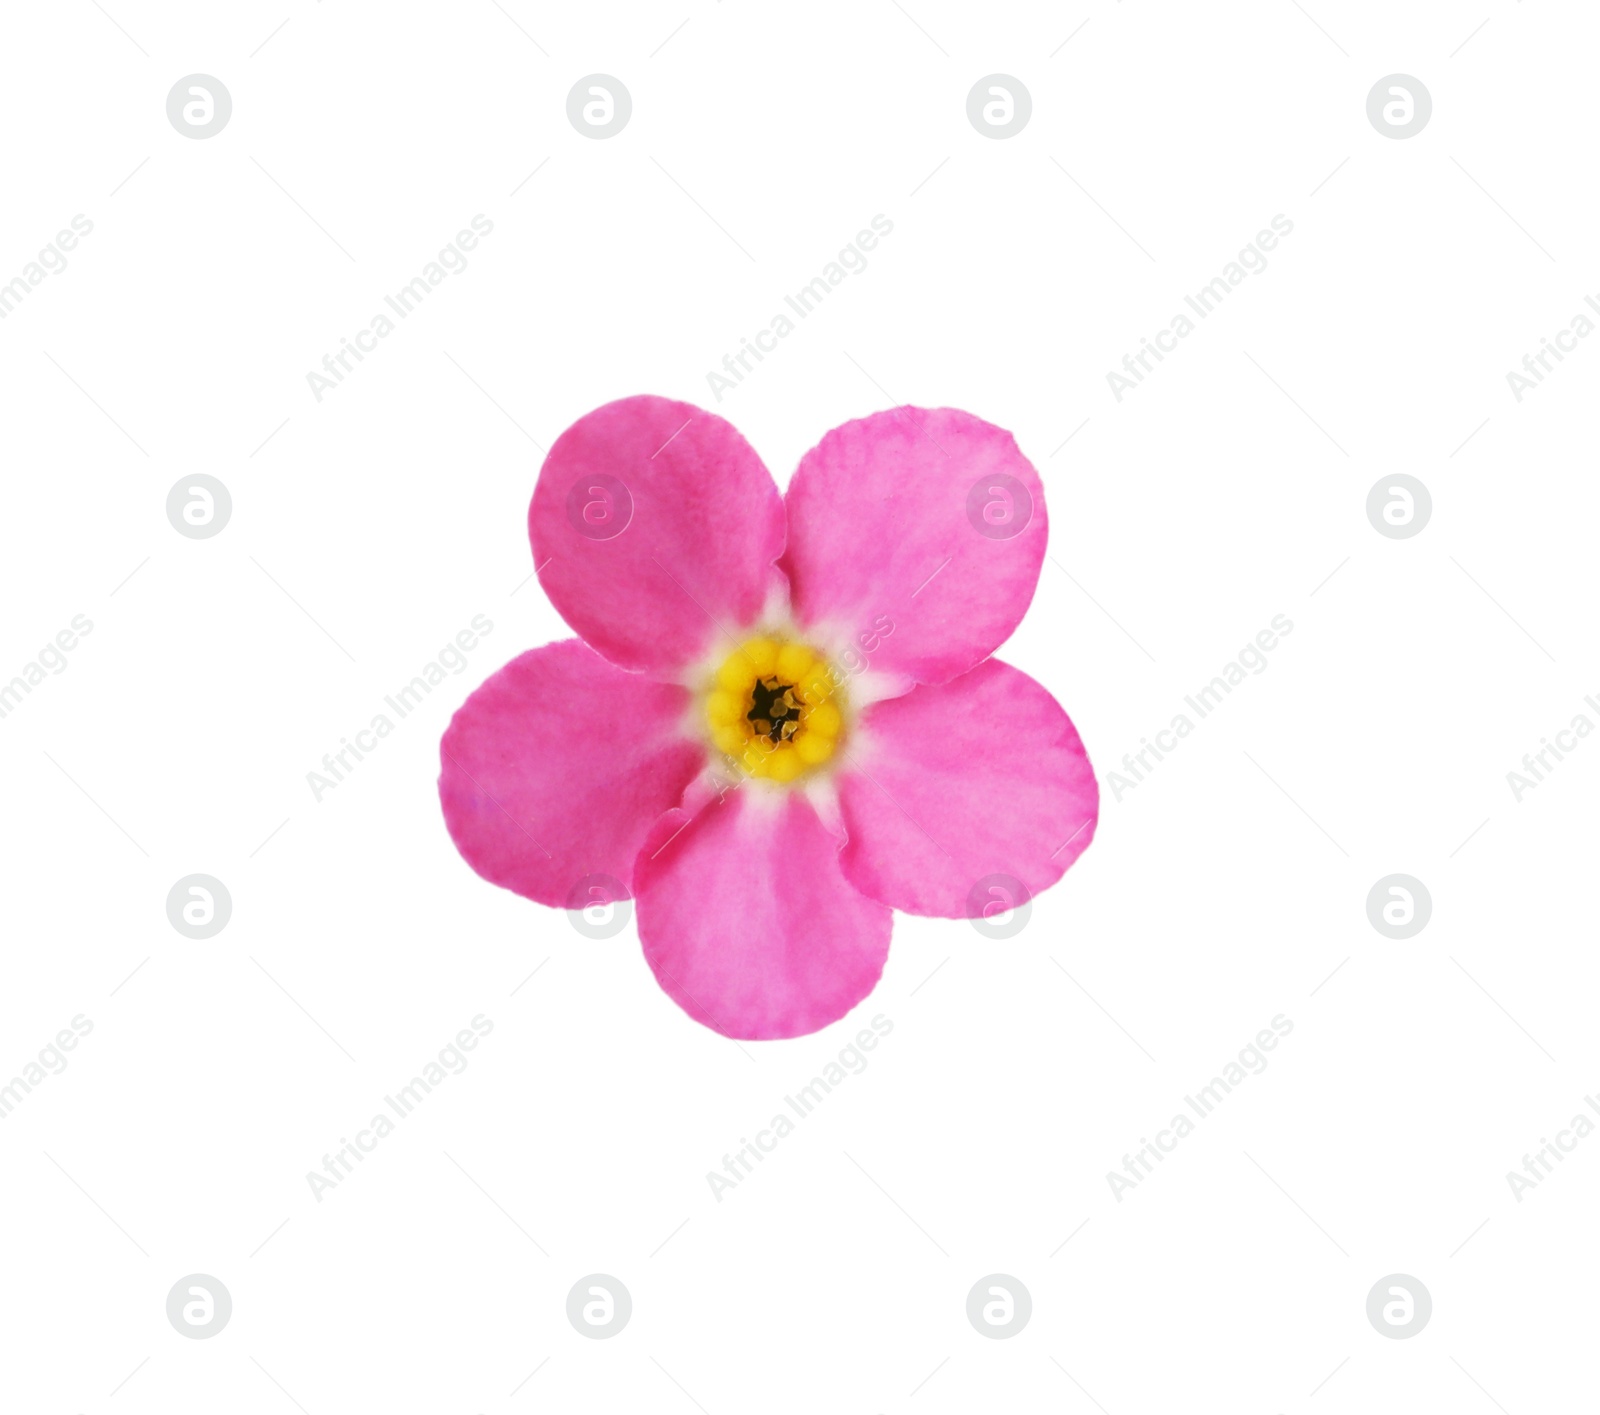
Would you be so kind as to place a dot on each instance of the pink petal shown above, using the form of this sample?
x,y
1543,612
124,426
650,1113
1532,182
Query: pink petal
x,y
748,922
978,777
556,768
930,520
652,523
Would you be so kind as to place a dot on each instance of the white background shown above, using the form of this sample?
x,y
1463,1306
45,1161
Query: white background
x,y
1223,890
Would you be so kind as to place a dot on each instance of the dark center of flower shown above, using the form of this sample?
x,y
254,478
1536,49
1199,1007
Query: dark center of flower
x,y
774,710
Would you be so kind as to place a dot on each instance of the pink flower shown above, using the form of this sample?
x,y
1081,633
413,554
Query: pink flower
x,y
781,721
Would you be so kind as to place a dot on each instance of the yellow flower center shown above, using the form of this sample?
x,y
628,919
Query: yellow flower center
x,y
776,709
